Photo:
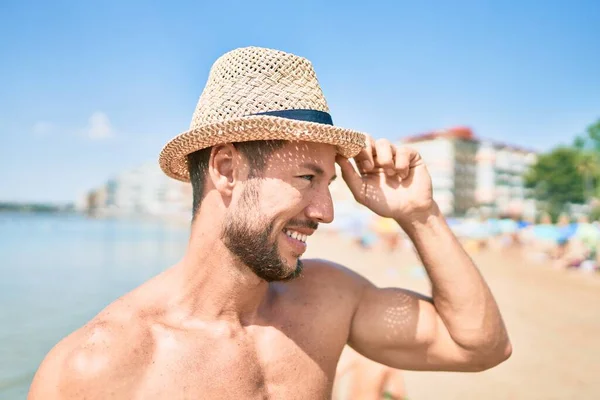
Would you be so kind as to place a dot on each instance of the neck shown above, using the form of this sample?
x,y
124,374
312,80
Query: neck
x,y
212,283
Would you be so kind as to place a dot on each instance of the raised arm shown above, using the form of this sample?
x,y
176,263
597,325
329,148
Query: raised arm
x,y
460,328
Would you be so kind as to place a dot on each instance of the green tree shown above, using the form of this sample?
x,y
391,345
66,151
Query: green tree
x,y
593,135
595,214
590,140
588,164
556,179
580,142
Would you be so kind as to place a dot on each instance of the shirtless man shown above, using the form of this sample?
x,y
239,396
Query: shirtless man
x,y
241,316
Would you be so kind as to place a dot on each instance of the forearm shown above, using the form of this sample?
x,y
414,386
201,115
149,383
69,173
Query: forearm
x,y
460,295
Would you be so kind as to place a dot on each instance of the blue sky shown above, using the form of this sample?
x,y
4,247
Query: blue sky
x,y
88,89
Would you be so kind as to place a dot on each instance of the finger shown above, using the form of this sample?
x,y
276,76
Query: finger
x,y
415,158
364,159
384,153
350,176
402,161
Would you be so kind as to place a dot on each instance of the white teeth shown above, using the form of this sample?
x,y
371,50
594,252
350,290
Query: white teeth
x,y
296,235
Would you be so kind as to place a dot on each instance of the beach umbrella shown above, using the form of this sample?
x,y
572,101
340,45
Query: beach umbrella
x,y
474,230
507,226
546,232
523,225
566,232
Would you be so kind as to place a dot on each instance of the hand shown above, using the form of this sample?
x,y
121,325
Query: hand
x,y
393,181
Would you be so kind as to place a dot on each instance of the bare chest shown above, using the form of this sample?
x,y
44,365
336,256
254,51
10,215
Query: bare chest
x,y
264,363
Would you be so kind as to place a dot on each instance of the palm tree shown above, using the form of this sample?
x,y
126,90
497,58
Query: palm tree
x,y
588,165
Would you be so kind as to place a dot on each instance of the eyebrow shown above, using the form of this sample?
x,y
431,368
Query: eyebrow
x,y
317,170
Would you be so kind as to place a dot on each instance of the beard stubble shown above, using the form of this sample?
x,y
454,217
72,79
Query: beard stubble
x,y
247,235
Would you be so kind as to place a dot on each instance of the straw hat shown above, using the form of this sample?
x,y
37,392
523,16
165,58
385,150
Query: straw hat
x,y
254,93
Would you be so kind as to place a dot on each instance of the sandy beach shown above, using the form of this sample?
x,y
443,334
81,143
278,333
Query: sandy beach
x,y
552,317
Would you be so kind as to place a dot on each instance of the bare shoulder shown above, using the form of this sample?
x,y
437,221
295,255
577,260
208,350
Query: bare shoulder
x,y
319,268
107,351
324,275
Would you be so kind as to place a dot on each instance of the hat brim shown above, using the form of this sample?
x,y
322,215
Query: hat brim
x,y
173,157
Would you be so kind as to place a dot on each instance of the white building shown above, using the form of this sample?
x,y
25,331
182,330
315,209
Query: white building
x,y
144,190
500,185
468,173
450,158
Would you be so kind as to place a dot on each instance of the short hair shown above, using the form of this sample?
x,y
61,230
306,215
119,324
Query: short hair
x,y
256,152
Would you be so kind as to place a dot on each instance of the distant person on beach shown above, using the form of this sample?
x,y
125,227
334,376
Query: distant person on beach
x,y
579,246
359,378
242,315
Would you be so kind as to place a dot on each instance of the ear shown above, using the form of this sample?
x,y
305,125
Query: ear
x,y
224,168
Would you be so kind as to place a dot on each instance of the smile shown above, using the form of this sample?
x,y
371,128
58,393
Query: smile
x,y
295,235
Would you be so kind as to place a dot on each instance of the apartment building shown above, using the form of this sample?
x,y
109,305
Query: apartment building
x,y
450,156
469,173
500,185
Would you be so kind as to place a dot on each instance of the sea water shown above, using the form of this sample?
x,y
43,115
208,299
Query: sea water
x,y
58,271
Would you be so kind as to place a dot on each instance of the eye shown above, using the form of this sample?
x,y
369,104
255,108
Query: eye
x,y
307,177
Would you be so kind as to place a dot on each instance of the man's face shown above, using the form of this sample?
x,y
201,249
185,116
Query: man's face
x,y
268,225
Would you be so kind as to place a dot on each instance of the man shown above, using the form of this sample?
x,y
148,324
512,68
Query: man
x,y
358,378
241,316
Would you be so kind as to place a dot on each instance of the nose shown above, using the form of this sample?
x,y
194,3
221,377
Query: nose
x,y
321,207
